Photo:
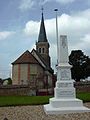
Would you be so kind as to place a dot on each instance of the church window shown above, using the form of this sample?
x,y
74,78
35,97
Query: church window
x,y
39,50
43,50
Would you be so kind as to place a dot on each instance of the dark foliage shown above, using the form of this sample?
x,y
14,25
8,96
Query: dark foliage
x,y
1,81
9,80
80,65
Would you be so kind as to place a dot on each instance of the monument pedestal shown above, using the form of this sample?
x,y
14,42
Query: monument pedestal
x,y
64,100
64,106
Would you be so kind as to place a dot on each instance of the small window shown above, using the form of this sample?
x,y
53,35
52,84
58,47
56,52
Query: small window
x,y
43,50
39,50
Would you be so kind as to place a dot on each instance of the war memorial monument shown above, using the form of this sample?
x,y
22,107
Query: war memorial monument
x,y
64,100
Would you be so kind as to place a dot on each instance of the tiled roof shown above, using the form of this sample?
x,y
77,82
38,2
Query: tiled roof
x,y
26,58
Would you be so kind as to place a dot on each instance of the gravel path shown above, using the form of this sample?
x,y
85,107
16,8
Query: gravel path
x,y
37,113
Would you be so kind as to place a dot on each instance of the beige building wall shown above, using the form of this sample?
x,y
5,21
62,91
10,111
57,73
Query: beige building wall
x,y
19,74
50,80
31,74
33,69
40,70
40,75
35,72
15,74
24,74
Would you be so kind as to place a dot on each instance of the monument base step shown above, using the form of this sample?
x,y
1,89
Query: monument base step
x,y
64,110
64,106
65,102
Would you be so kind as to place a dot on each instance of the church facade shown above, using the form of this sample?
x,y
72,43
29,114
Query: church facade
x,y
34,68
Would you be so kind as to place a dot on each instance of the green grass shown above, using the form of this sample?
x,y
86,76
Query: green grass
x,y
23,100
83,96
34,100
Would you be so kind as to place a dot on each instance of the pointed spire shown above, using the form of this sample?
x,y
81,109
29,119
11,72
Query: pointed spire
x,y
42,33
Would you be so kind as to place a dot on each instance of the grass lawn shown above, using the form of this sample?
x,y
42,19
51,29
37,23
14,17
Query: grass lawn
x,y
23,100
84,96
34,100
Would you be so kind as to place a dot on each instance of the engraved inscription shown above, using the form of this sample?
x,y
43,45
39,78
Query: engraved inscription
x,y
64,74
64,85
65,94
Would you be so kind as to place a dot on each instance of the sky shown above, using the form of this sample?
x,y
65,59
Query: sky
x,y
20,24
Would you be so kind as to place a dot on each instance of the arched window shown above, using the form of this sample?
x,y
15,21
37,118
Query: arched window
x,y
39,50
43,50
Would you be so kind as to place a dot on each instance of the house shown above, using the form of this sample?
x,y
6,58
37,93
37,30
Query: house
x,y
34,68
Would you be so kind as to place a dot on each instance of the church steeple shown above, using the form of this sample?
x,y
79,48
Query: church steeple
x,y
42,33
42,45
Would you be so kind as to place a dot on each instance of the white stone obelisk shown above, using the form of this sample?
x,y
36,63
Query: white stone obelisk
x,y
64,100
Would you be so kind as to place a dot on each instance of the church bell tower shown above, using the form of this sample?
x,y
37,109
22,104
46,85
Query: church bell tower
x,y
42,46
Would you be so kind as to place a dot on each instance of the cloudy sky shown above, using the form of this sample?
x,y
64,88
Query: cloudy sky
x,y
20,22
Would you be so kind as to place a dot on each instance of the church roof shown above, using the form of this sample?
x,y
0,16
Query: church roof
x,y
42,61
26,58
42,33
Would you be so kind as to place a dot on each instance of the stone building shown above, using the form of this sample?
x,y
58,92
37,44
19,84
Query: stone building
x,y
34,68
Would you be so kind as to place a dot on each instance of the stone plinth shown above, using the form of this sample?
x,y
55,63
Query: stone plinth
x,y
64,106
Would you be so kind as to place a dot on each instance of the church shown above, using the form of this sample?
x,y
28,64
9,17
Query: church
x,y
34,68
